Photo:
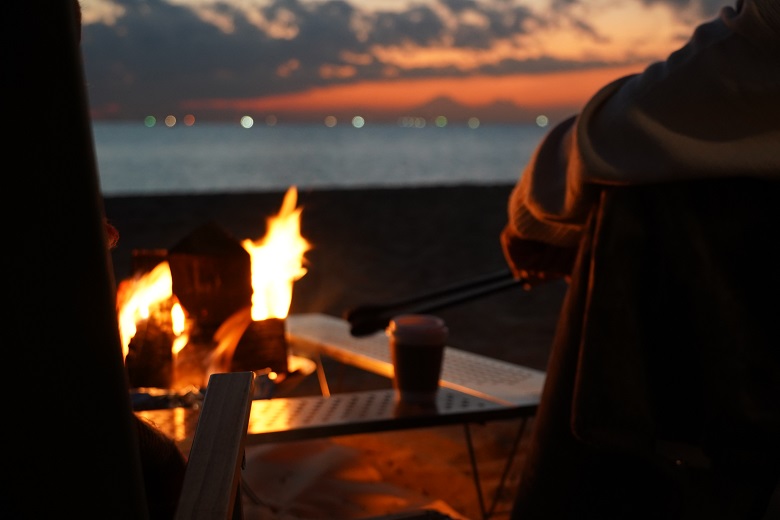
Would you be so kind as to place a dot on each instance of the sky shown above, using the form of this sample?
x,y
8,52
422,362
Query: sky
x,y
306,59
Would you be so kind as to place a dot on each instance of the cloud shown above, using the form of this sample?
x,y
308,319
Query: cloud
x,y
149,56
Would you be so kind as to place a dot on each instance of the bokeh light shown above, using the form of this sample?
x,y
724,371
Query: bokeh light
x,y
406,122
247,122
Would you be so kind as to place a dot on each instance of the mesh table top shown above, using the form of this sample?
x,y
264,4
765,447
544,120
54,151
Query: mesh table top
x,y
298,418
311,417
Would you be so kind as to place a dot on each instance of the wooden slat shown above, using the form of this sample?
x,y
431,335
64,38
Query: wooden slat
x,y
211,483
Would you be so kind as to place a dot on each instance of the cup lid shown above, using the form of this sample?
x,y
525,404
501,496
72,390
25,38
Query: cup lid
x,y
421,329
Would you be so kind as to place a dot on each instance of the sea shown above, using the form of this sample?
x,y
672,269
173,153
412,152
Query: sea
x,y
134,159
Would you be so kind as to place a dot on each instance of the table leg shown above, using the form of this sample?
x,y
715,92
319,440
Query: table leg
x,y
321,377
487,513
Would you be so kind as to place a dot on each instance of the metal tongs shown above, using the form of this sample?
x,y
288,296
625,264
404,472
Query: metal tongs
x,y
370,318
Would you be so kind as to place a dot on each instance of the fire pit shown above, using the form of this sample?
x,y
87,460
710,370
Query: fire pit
x,y
212,304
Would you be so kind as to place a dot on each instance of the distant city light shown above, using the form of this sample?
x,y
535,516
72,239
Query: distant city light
x,y
358,122
150,121
542,121
170,121
247,122
330,121
419,122
473,122
441,121
270,120
189,120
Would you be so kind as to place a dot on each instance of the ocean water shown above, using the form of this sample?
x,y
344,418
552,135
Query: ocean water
x,y
223,158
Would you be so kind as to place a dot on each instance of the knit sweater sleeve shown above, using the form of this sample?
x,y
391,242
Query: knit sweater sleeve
x,y
709,110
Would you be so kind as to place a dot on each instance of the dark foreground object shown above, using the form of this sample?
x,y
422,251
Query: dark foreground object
x,y
662,396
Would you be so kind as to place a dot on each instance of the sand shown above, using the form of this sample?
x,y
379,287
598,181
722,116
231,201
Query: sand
x,y
375,246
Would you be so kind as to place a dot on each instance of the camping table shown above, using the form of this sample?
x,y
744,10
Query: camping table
x,y
474,389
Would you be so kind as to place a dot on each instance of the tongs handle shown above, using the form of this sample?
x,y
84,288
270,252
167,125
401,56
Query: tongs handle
x,y
370,318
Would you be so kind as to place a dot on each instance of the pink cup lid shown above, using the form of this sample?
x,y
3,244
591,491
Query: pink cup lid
x,y
418,329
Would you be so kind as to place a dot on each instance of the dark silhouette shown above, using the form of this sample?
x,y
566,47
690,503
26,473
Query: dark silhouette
x,y
662,397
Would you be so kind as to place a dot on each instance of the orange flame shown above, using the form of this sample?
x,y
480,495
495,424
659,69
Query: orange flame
x,y
179,327
277,261
136,298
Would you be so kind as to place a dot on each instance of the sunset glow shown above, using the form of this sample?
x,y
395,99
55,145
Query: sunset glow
x,y
368,56
563,89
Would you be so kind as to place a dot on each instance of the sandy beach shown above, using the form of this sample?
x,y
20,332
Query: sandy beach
x,y
375,246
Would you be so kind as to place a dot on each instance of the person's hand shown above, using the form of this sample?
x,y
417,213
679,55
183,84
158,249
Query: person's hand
x,y
535,262
529,278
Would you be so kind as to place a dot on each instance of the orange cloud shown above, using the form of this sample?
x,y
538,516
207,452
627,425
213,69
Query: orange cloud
x,y
540,91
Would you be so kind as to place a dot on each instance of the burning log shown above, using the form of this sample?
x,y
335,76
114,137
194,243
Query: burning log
x,y
246,344
210,273
263,345
149,360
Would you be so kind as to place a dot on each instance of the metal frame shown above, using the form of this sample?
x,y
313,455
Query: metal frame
x,y
474,389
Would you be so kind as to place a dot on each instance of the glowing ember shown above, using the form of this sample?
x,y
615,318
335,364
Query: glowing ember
x,y
277,261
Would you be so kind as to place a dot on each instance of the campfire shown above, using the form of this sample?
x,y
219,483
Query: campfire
x,y
212,304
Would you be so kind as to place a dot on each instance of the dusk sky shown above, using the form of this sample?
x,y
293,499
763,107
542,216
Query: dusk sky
x,y
226,58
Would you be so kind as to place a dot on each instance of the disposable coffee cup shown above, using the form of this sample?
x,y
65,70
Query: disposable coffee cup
x,y
417,350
